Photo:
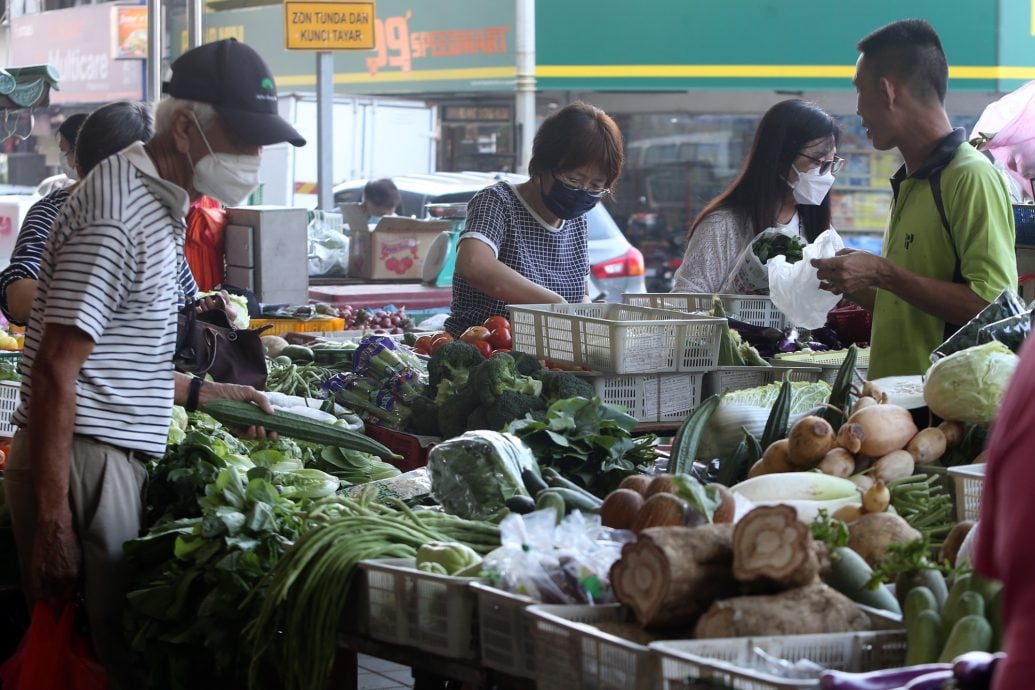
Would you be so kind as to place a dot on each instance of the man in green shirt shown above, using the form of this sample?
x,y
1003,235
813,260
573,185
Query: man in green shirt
x,y
949,247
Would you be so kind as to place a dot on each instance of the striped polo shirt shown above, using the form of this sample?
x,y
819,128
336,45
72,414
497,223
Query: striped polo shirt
x,y
110,270
32,238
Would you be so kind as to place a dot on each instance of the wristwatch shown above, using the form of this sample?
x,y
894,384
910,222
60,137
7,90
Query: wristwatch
x,y
193,392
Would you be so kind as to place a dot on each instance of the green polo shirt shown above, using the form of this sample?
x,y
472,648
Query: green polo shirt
x,y
980,217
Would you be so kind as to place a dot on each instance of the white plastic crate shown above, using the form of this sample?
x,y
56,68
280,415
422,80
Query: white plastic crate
x,y
757,310
969,480
651,397
616,338
406,606
507,641
571,653
9,399
728,662
828,362
725,379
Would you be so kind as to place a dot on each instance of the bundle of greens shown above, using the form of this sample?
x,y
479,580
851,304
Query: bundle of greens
x,y
768,246
588,441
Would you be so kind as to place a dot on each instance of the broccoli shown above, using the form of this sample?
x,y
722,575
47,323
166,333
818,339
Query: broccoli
x,y
558,385
498,374
424,416
527,365
510,406
478,420
453,413
452,364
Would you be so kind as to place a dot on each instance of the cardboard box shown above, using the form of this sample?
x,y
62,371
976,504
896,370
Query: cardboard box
x,y
395,249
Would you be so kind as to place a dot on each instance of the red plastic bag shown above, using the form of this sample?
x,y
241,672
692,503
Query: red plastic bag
x,y
53,655
204,246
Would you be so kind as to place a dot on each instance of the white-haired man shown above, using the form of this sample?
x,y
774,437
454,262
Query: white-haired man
x,y
98,382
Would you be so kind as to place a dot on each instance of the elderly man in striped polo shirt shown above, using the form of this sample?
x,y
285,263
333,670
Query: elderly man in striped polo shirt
x,y
98,381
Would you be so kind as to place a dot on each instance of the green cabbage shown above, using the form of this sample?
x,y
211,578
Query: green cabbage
x,y
968,386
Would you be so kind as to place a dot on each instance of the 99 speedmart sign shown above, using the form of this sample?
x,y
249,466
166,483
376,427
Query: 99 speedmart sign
x,y
318,25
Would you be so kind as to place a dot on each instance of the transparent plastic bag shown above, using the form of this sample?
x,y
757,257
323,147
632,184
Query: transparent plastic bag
x,y
1007,304
328,246
794,288
556,564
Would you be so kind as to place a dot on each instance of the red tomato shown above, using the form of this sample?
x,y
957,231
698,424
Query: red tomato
x,y
474,334
497,352
483,347
500,339
494,322
423,343
438,341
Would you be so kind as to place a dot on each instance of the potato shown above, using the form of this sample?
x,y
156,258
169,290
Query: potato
x,y
870,535
885,428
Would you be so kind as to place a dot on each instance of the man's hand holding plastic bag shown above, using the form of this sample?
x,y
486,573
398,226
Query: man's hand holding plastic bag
x,y
795,287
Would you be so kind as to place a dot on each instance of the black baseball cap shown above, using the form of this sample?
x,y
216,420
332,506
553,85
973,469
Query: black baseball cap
x,y
235,80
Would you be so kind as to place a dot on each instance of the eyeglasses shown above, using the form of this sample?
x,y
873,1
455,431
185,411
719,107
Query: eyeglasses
x,y
833,166
578,186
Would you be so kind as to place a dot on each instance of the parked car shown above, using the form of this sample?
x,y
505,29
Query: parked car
x,y
616,267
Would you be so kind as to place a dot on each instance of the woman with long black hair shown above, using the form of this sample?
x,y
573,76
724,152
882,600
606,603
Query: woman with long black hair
x,y
784,183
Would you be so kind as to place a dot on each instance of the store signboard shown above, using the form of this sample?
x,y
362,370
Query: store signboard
x,y
763,44
328,26
78,43
453,46
129,33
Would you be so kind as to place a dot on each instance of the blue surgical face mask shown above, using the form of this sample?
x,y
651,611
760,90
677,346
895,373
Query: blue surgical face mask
x,y
567,203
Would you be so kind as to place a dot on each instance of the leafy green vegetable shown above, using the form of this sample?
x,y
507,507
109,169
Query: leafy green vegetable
x,y
769,246
833,533
588,441
473,474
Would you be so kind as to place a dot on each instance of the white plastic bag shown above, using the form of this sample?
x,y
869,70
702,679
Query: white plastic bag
x,y
749,276
794,288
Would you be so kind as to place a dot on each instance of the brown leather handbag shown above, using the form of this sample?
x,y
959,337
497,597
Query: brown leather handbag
x,y
207,344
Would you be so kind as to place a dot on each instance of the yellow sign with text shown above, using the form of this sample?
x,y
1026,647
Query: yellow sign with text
x,y
328,25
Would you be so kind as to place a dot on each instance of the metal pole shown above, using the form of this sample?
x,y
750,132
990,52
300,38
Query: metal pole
x,y
524,100
325,129
153,80
194,14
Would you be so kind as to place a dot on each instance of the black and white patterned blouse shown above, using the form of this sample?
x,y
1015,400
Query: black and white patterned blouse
x,y
555,258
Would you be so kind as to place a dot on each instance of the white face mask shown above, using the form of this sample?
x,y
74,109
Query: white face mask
x,y
227,177
811,187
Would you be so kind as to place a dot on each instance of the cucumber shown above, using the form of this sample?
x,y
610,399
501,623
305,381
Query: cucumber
x,y
970,634
297,353
849,574
533,482
994,613
929,577
966,604
522,505
688,438
960,585
988,589
923,638
575,500
918,600
548,499
236,413
557,480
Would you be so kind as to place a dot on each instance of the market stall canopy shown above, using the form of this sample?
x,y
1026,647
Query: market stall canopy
x,y
27,87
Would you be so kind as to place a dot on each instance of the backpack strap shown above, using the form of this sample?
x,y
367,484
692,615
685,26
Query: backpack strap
x,y
957,269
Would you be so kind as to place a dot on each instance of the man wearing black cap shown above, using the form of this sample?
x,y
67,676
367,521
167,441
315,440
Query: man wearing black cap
x,y
97,375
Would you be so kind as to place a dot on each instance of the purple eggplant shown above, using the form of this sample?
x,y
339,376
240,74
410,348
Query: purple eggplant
x,y
816,346
886,679
973,670
787,345
931,681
